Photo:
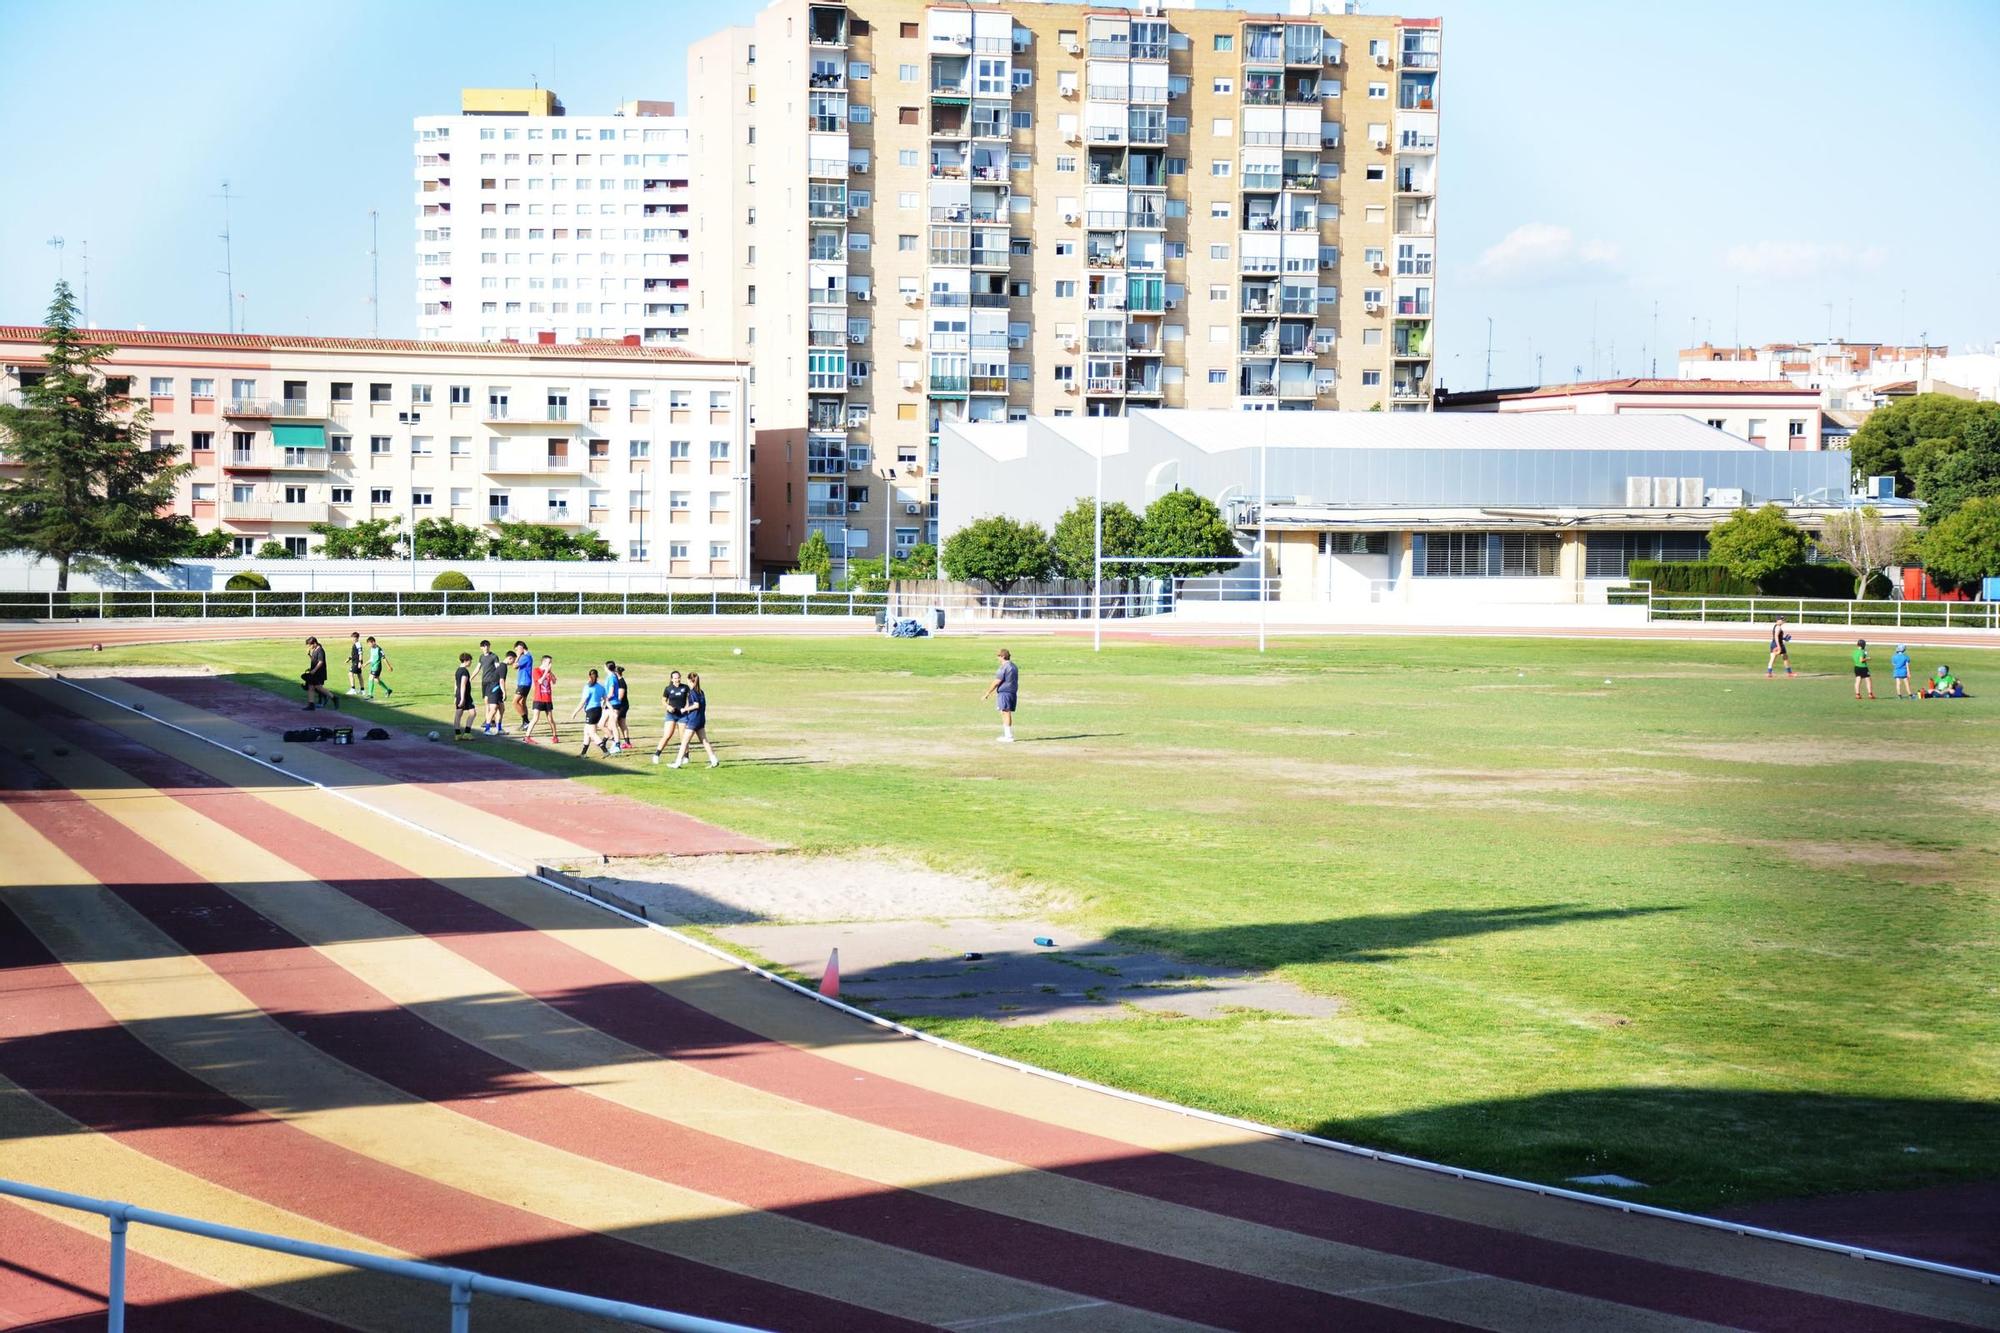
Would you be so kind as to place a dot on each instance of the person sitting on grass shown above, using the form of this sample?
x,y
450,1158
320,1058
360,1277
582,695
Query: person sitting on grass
x,y
1944,685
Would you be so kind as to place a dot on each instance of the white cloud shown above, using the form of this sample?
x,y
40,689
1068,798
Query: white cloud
x,y
1541,253
1791,261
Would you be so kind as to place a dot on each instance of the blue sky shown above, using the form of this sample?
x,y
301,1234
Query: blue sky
x,y
1771,159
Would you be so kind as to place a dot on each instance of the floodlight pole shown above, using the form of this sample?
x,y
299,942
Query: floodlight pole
x,y
1263,532
1097,557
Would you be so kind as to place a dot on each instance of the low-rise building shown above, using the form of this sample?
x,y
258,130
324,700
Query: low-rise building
x,y
647,446
1767,413
1372,507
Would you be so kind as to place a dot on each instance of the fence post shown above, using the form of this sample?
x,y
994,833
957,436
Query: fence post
x,y
461,1306
114,1297
153,605
714,602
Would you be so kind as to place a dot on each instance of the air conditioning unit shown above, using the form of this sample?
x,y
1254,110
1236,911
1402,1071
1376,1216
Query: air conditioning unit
x,y
859,168
911,383
1069,90
1069,344
1382,144
1073,137
1638,492
1073,46
1380,266
1372,307
912,298
1325,386
1069,215
912,340
1724,497
854,506
1173,305
913,509
1382,58
864,296
1070,387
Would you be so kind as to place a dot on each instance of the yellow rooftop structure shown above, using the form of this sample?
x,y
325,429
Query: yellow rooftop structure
x,y
509,102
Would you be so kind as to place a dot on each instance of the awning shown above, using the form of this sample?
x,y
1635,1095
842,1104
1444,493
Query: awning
x,y
290,435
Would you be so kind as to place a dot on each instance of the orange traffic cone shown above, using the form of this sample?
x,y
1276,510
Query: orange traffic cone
x,y
829,982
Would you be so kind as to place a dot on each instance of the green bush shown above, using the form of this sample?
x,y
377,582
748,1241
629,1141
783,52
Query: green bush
x,y
451,581
1689,578
247,581
1833,581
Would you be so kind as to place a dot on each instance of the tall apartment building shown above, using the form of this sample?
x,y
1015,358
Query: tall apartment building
x,y
926,213
646,446
533,221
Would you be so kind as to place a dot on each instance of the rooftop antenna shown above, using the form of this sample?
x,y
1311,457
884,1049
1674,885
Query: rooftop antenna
x,y
1489,351
1655,370
374,274
55,243
228,261
243,313
85,245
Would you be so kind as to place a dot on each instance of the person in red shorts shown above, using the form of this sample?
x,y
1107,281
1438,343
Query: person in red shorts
x,y
542,688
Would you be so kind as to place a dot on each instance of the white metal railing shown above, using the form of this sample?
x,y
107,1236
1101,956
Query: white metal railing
x,y
462,1283
1900,614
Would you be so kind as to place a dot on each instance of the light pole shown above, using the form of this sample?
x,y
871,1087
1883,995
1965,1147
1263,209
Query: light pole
x,y
1097,555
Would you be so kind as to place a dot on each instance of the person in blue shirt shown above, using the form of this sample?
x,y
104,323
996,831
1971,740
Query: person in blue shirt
x,y
618,702
1899,666
524,681
591,706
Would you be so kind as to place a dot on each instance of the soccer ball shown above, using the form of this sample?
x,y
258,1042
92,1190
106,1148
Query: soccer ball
x,y
430,736
1607,680
736,652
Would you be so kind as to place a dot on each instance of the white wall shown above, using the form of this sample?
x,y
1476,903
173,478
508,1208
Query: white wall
x,y
19,574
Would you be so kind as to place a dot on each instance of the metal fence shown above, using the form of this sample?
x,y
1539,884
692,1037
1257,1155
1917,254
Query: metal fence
x,y
461,1282
1812,611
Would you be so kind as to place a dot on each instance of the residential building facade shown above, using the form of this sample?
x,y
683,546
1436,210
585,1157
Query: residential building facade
x,y
648,447
531,221
931,214
1364,508
1770,414
1854,377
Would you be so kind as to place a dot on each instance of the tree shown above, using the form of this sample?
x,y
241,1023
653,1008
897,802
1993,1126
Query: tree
x,y
1964,548
998,551
919,562
1861,539
1183,524
544,541
1888,443
1950,472
1754,544
370,539
90,490
1075,538
444,539
816,559
275,550
214,544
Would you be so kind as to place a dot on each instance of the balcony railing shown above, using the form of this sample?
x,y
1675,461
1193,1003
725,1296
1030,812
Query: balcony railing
x,y
949,383
990,300
1104,384
824,79
989,383
826,166
269,511
251,407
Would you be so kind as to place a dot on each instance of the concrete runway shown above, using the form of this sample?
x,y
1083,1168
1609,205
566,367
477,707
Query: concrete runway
x,y
257,1002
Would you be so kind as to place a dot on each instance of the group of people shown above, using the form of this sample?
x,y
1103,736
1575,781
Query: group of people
x,y
1942,684
482,686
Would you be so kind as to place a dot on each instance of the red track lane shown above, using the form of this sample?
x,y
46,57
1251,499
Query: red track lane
x,y
58,1044
611,825
644,1016
54,1278
337,1013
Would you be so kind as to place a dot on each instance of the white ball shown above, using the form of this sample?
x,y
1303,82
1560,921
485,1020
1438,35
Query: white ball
x,y
736,652
1607,680
431,736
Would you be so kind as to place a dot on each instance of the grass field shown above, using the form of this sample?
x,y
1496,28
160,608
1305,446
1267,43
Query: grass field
x,y
1730,937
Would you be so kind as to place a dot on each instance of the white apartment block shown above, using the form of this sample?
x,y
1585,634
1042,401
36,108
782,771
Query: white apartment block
x,y
647,446
915,215
533,221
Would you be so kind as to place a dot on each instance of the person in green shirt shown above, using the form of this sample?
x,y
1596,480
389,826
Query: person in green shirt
x,y
1861,670
378,662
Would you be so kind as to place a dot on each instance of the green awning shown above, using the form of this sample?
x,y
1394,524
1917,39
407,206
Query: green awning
x,y
289,435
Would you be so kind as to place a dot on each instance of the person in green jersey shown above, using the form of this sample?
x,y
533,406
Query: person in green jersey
x,y
1861,670
378,663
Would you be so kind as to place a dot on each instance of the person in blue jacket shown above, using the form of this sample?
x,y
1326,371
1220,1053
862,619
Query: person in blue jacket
x,y
591,705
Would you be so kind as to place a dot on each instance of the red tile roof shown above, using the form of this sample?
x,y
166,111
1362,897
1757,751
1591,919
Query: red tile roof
x,y
608,349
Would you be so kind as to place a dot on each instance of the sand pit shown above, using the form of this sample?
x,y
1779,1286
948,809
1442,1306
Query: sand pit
x,y
791,887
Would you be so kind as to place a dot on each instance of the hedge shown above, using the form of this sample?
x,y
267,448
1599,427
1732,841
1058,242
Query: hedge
x,y
1690,578
248,580
451,581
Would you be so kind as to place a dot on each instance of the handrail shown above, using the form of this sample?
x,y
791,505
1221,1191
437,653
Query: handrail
x,y
1754,608
463,1283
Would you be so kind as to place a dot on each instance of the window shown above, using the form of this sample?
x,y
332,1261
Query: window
x,y
1218,210
1218,377
857,69
378,445
718,550
1024,120
162,386
636,549
1218,292
461,394
718,450
340,444
1023,78
202,388
420,394
639,449
1220,166
381,495
295,495
1795,429
1223,87
296,547
1065,163
677,500
1371,379
677,449
420,499
342,495
1218,252
1177,126
1378,92
1756,430
907,73
906,157
1225,41
205,439
1718,423
379,393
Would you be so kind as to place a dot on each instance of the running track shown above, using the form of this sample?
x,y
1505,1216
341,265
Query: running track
x,y
252,1001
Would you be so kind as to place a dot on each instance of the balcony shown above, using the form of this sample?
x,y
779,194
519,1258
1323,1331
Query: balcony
x,y
1263,96
549,465
827,168
1296,389
954,384
988,383
560,516
251,409
269,511
827,80
1105,385
270,458
1143,388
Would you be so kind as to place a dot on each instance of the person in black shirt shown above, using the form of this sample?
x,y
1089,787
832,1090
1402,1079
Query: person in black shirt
x,y
492,698
676,697
694,718
314,676
462,708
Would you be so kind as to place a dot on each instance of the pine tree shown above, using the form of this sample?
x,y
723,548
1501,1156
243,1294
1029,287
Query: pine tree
x,y
89,491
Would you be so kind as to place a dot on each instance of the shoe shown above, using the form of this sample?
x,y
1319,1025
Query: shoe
x,y
530,740
656,756
713,762
1006,740
678,763
584,751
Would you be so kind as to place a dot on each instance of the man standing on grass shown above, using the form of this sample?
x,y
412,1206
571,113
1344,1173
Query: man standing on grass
x,y
491,699
544,688
461,699
1861,670
354,662
524,682
1780,649
1004,691
378,662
